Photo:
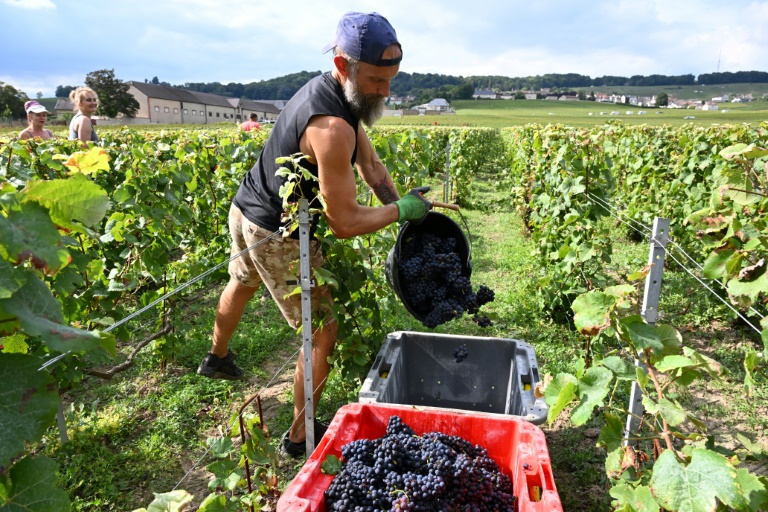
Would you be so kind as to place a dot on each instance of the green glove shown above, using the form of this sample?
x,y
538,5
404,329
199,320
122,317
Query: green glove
x,y
413,206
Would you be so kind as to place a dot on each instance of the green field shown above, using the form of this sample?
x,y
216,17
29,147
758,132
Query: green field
x,y
502,113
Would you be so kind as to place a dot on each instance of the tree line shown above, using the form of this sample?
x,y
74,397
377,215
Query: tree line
x,y
427,86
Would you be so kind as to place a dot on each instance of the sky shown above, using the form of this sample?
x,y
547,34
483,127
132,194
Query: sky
x,y
46,43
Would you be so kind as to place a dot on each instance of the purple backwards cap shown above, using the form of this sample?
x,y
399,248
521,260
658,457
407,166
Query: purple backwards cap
x,y
364,37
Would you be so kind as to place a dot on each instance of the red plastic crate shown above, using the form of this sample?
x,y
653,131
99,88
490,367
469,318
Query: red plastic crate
x,y
517,446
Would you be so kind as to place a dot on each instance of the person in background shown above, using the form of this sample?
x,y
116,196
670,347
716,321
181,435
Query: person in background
x,y
324,121
251,124
37,115
86,102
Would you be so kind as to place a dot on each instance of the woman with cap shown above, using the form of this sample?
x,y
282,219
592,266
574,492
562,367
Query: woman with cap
x,y
37,115
86,102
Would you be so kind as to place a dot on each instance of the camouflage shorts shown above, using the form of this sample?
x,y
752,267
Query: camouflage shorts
x,y
275,263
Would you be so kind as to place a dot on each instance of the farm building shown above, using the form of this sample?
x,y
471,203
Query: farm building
x,y
484,94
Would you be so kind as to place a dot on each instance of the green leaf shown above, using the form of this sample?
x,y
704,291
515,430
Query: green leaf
x,y
331,465
670,338
641,376
697,486
29,234
40,315
222,467
559,393
639,499
592,312
643,335
29,403
715,266
216,503
620,368
705,363
221,446
751,289
673,362
174,501
75,199
593,388
30,487
612,433
11,279
668,410
754,491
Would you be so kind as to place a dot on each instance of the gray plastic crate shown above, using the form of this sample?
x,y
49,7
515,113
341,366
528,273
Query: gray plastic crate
x,y
498,376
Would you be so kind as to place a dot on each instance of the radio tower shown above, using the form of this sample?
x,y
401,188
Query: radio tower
x,y
718,59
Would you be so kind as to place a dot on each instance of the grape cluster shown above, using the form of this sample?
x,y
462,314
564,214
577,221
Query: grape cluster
x,y
403,471
434,282
461,353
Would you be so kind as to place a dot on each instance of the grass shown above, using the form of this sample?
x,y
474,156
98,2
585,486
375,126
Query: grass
x,y
504,113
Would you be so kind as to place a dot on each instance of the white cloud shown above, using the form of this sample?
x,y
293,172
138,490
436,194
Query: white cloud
x,y
31,4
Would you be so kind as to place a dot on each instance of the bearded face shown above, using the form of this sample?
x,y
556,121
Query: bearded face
x,y
367,107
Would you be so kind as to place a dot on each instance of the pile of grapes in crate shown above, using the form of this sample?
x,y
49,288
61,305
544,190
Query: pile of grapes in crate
x,y
435,282
404,471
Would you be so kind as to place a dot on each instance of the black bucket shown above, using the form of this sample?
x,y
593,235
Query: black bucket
x,y
435,223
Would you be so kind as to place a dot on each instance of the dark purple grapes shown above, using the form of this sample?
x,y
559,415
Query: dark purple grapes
x,y
403,471
482,321
461,353
435,283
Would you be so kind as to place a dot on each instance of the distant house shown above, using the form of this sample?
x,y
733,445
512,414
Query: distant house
x,y
172,105
245,107
709,106
63,106
439,105
484,94
552,97
167,105
531,96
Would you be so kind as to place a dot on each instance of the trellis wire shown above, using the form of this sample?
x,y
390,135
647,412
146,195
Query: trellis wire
x,y
172,292
618,217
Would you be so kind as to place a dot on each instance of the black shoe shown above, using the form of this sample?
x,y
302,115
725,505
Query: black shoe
x,y
290,449
216,367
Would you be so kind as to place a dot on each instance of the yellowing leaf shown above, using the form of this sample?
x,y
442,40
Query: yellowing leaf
x,y
88,162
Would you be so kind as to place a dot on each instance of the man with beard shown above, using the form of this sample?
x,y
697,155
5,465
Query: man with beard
x,y
323,122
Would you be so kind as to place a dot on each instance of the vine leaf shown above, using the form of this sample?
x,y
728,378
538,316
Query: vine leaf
x,y
612,433
11,279
752,286
39,314
594,386
31,487
74,199
174,501
559,393
715,266
30,401
754,490
643,335
668,410
620,368
331,465
742,150
592,312
674,362
695,487
637,499
87,162
29,234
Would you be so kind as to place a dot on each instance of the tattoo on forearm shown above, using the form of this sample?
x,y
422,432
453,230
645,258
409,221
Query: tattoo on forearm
x,y
385,192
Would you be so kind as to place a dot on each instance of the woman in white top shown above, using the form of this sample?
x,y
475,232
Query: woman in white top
x,y
37,115
86,102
